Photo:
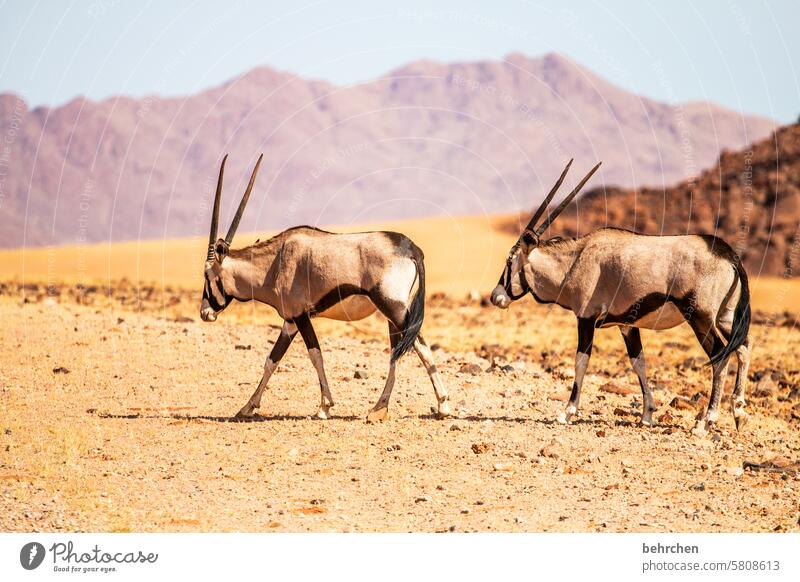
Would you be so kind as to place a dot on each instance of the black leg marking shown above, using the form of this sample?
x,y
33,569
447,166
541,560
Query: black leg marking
x,y
585,340
633,344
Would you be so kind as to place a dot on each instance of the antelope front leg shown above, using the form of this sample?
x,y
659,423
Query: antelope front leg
x,y
288,331
312,344
585,339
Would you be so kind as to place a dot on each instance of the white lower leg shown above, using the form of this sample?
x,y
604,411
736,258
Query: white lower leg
x,y
326,399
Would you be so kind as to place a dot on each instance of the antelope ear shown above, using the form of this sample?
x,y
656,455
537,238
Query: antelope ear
x,y
530,238
221,249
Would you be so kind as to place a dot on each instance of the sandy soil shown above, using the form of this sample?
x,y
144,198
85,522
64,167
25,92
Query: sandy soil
x,y
138,435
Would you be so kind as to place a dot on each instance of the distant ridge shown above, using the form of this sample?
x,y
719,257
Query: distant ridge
x,y
428,138
751,198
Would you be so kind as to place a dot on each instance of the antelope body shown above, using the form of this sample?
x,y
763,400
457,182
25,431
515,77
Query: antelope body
x,y
617,278
306,272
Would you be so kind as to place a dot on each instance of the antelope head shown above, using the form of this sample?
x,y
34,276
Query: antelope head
x,y
215,298
515,282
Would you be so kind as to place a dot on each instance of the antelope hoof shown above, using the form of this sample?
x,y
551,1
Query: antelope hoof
x,y
378,414
740,417
565,416
444,410
247,411
700,428
324,412
646,421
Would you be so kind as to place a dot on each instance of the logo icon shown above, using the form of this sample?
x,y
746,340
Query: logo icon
x,y
31,555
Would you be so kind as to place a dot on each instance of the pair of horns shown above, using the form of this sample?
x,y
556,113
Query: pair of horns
x,y
212,237
556,211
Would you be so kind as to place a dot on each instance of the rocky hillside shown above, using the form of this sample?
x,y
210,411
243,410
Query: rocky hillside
x,y
751,198
429,138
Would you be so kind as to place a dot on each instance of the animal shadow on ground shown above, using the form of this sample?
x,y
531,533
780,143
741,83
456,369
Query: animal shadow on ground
x,y
211,418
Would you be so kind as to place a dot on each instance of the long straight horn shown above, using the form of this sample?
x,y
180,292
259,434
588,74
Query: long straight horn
x,y
243,203
549,197
554,214
212,237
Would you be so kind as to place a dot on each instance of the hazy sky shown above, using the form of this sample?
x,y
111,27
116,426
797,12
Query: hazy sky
x,y
740,53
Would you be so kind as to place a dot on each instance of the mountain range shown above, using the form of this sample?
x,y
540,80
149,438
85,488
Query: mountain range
x,y
426,139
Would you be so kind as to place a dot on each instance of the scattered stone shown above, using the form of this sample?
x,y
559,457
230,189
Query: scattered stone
x,y
360,375
480,448
466,511
394,447
621,412
765,388
454,427
601,433
614,388
242,347
317,501
60,370
774,465
681,403
423,499
665,418
472,369
502,467
698,487
549,451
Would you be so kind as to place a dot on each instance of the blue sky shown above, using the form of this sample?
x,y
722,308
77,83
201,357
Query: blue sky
x,y
742,54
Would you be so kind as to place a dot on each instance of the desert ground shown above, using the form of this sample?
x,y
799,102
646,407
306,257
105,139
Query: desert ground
x,y
117,404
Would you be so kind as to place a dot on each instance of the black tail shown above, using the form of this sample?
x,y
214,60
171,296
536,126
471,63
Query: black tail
x,y
414,317
741,319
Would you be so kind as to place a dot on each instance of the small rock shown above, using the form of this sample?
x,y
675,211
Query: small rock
x,y
613,388
502,467
60,370
454,427
360,375
242,347
601,433
472,369
665,418
765,388
466,511
394,447
549,451
681,403
422,499
621,412
480,448
698,487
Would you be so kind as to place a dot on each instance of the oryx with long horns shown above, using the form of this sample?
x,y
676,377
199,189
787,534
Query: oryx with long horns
x,y
613,277
305,272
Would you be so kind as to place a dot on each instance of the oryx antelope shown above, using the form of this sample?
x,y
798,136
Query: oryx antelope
x,y
304,273
614,277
